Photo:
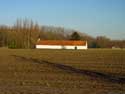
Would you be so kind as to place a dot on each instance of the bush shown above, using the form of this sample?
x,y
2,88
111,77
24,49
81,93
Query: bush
x,y
12,45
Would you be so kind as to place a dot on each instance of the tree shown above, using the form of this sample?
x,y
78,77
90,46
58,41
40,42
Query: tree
x,y
102,42
26,33
75,36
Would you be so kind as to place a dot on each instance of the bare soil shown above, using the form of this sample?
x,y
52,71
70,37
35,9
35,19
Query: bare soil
x,y
51,72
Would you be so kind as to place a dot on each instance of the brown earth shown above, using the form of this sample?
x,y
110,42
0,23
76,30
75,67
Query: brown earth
x,y
43,72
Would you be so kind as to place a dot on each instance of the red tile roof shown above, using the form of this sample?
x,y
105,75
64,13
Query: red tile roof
x,y
61,42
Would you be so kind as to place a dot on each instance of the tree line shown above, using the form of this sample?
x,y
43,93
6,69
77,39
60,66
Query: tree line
x,y
25,33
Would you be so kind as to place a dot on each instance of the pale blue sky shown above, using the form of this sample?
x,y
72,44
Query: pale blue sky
x,y
94,17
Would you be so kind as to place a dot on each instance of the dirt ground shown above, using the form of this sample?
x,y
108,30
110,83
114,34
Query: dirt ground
x,y
20,74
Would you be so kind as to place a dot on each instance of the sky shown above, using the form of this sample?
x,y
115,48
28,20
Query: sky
x,y
93,17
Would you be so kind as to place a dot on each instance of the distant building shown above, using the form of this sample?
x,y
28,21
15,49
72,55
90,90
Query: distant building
x,y
115,47
61,44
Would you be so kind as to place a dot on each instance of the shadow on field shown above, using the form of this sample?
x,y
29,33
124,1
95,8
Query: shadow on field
x,y
92,74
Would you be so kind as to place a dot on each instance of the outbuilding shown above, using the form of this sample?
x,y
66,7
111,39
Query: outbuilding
x,y
61,44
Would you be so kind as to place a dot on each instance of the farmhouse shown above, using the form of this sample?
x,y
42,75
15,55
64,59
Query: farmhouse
x,y
61,44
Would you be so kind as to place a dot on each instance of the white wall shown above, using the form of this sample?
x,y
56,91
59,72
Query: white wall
x,y
59,47
48,47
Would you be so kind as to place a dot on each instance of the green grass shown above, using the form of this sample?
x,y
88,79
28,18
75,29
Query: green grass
x,y
26,76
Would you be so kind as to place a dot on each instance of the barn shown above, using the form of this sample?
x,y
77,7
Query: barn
x,y
61,44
